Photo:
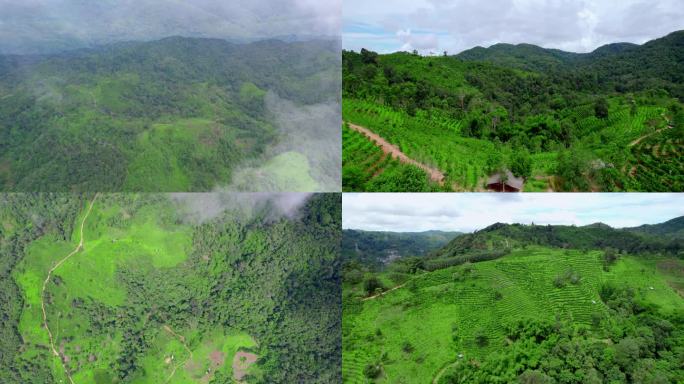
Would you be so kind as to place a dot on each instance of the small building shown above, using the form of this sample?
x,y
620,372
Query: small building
x,y
505,182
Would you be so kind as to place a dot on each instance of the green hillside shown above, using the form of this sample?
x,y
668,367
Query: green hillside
x,y
153,296
178,114
603,121
539,313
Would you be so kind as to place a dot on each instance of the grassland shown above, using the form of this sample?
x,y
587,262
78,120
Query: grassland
x,y
459,315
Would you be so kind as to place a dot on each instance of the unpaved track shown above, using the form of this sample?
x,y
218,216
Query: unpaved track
x,y
182,341
435,174
47,279
382,293
441,372
637,141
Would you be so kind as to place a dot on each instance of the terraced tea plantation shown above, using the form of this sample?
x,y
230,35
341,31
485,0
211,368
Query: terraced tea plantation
x,y
441,326
365,167
568,127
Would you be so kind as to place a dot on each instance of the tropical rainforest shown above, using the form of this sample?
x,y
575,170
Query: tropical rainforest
x,y
515,303
608,120
156,288
173,115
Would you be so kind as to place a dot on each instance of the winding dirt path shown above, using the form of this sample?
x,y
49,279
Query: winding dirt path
x,y
382,293
182,341
637,141
47,279
441,372
390,149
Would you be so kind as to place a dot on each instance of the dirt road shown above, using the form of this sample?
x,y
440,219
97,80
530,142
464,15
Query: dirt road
x,y
47,279
181,339
390,149
382,293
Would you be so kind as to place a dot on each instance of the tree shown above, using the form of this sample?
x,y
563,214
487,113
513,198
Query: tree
x,y
601,108
371,285
521,164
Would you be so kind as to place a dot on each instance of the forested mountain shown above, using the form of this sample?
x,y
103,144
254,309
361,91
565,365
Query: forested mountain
x,y
671,228
607,120
497,239
136,290
377,248
527,304
177,114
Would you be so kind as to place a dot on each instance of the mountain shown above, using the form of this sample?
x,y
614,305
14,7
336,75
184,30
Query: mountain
x,y
177,114
659,62
378,248
671,228
498,239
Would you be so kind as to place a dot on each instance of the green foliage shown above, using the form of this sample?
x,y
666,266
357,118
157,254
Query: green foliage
x,y
468,116
178,114
153,292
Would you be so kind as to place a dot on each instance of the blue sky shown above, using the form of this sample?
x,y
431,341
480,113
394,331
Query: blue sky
x,y
433,26
407,212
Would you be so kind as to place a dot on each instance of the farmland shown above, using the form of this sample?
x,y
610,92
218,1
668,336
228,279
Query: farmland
x,y
565,128
535,312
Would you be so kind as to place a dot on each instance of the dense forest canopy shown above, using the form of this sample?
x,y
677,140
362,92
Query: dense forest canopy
x,y
522,303
156,296
611,119
177,114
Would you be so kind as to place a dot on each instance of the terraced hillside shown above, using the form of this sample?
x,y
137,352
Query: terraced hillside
x,y
365,167
537,311
560,121
442,317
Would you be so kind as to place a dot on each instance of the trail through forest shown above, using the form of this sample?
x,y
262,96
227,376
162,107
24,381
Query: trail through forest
x,y
181,339
47,279
435,174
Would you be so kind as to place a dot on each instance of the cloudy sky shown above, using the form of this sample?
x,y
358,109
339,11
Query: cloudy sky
x,y
28,26
456,25
466,212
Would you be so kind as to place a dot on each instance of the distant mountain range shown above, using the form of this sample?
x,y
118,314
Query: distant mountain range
x,y
378,248
633,64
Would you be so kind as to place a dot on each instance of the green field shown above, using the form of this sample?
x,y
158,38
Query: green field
x,y
461,315
154,296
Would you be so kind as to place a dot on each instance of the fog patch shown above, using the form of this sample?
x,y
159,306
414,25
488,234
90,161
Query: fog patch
x,y
307,155
198,208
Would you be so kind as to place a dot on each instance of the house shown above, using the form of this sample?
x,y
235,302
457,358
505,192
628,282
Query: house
x,y
505,182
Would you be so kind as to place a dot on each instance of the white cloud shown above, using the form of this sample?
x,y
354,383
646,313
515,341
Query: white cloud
x,y
574,25
36,25
467,212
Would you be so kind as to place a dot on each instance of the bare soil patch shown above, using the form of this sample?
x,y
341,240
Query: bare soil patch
x,y
241,363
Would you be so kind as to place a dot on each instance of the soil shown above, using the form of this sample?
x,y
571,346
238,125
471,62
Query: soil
x,y
435,174
240,367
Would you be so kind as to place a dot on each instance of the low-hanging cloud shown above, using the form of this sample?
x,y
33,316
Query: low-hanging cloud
x,y
38,26
573,25
198,208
